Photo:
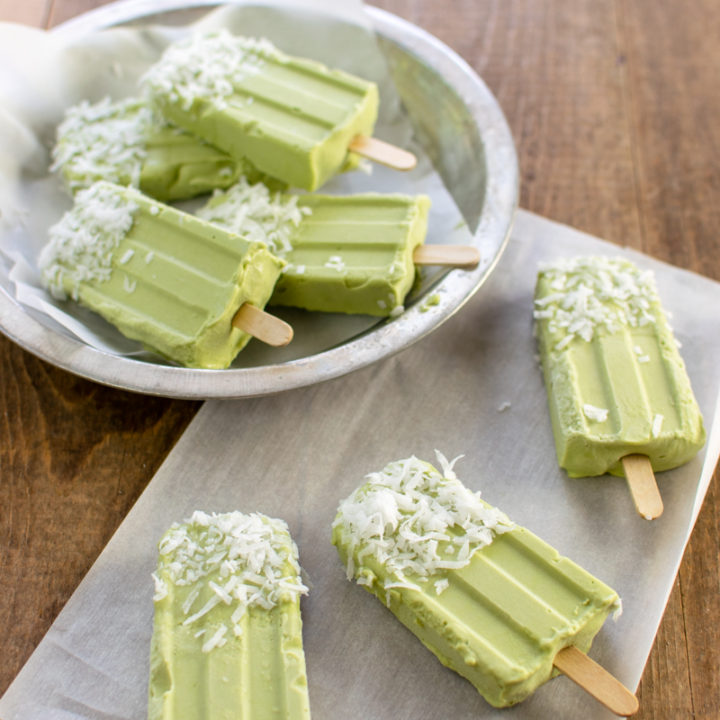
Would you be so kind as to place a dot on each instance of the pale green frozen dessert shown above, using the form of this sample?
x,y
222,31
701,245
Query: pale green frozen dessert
x,y
490,599
292,118
345,254
161,276
124,142
227,636
615,380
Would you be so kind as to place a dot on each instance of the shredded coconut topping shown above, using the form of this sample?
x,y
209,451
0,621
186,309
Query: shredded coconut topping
x,y
257,214
229,559
207,67
595,292
104,141
417,522
81,244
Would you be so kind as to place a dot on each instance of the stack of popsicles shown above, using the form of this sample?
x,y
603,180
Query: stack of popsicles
x,y
222,112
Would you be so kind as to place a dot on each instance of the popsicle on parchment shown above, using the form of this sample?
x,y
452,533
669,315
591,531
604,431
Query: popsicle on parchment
x,y
227,634
345,254
294,119
617,387
490,599
161,276
126,143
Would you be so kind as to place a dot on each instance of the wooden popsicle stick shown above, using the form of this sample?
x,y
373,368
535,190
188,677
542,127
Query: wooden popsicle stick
x,y
383,153
263,326
596,681
643,486
451,255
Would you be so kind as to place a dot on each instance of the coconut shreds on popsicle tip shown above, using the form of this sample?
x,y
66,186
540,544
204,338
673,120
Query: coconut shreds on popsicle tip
x,y
161,276
127,143
490,599
619,395
227,632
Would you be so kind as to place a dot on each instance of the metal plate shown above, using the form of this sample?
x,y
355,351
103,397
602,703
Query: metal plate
x,y
459,125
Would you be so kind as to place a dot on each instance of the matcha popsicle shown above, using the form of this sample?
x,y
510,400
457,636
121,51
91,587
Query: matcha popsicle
x,y
294,119
491,600
617,386
126,143
227,634
161,276
345,254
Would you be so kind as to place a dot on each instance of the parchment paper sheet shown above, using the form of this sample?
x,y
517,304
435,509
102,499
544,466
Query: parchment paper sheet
x,y
52,72
297,454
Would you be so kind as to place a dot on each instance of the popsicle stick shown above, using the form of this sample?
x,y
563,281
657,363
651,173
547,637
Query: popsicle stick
x,y
263,326
596,681
383,153
452,255
643,487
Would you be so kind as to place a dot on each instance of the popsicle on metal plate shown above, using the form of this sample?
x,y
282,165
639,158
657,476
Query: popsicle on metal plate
x,y
161,276
126,143
294,119
345,254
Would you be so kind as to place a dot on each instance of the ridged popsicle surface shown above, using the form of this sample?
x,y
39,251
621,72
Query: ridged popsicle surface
x,y
615,379
292,118
493,601
227,637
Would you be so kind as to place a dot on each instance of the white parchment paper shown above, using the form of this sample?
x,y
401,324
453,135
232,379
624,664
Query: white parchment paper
x,y
53,71
472,387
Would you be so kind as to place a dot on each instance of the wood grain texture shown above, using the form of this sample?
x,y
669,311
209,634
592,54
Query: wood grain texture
x,y
28,12
613,106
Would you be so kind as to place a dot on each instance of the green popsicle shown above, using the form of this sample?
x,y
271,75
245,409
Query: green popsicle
x,y
616,383
227,636
345,254
294,119
493,601
161,276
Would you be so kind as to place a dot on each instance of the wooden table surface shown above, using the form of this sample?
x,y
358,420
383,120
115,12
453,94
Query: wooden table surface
x,y
614,107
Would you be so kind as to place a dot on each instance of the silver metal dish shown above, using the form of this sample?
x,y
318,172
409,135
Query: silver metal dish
x,y
462,129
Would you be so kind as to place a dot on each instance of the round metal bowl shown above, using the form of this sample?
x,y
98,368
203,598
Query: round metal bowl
x,y
460,126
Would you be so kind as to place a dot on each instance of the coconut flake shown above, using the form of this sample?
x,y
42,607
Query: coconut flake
x,y
595,413
417,522
217,640
657,424
335,262
257,214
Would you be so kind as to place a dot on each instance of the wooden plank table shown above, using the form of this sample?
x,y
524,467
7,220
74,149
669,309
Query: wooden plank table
x,y
614,110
